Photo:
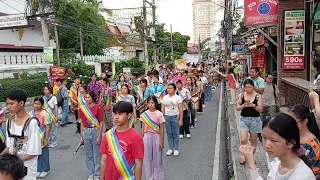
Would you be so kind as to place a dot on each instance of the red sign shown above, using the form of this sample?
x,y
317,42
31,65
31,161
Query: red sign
x,y
293,62
260,12
259,57
55,73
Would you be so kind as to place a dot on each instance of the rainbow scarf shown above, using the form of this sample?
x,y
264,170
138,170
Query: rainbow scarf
x,y
184,103
50,111
2,136
126,172
86,111
42,131
153,125
131,121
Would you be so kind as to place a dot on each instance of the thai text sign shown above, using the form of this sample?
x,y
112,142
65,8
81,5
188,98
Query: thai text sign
x,y
294,37
258,12
13,20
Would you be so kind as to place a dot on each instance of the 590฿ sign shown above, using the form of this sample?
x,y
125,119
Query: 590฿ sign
x,y
293,62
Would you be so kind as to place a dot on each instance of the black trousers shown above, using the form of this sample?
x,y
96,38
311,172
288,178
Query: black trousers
x,y
201,100
76,114
184,129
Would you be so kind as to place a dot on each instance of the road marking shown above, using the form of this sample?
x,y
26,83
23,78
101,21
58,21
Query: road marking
x,y
216,160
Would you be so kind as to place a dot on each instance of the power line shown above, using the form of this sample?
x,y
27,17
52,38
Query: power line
x,y
11,6
19,2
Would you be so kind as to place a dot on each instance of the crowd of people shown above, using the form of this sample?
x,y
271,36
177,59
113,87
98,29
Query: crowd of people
x,y
162,100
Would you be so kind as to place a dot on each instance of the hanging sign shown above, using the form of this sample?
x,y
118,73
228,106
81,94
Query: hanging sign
x,y
294,32
13,20
48,53
264,12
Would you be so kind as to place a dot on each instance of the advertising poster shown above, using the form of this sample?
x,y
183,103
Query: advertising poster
x,y
294,27
262,12
55,73
48,54
258,57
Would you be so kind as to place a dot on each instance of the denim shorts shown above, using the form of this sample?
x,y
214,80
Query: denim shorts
x,y
251,124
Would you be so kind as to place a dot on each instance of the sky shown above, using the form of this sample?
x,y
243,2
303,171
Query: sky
x,y
175,12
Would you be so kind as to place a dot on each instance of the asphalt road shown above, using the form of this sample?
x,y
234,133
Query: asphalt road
x,y
195,161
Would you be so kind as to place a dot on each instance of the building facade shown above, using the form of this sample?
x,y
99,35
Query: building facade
x,y
202,19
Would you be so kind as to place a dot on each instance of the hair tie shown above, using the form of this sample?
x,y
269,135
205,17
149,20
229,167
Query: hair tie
x,y
301,151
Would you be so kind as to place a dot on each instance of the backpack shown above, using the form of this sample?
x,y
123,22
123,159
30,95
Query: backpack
x,y
26,124
59,97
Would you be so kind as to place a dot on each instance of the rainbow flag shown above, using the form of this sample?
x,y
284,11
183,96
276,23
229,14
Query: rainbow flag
x,y
125,170
50,111
153,125
2,136
87,112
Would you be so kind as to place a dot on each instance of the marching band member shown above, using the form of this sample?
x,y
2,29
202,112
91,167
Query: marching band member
x,y
122,81
91,116
153,138
125,96
106,103
74,93
157,87
186,97
192,105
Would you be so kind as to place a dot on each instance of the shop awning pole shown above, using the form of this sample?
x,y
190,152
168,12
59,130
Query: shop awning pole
x,y
267,36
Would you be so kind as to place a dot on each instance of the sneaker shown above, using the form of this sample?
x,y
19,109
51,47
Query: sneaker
x,y
52,145
196,119
169,152
191,127
188,136
199,113
38,174
203,106
44,174
181,136
176,153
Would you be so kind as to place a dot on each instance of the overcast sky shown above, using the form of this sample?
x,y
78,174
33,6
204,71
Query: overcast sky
x,y
175,12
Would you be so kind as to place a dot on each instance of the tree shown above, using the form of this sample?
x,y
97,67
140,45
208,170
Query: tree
x,y
134,63
242,28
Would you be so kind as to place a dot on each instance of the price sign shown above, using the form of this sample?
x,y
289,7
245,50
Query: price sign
x,y
293,62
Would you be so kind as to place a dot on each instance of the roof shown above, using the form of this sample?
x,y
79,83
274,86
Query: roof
x,y
118,28
12,46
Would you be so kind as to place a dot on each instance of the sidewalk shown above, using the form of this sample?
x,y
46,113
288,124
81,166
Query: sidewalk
x,y
241,172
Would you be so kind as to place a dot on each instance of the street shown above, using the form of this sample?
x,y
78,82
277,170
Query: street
x,y
194,162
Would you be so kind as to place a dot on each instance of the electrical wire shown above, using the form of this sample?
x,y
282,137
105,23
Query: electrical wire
x,y
11,7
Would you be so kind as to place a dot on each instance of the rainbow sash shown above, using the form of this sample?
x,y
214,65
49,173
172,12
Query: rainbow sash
x,y
131,121
153,125
74,90
41,130
47,108
2,136
139,92
126,172
184,103
120,98
86,111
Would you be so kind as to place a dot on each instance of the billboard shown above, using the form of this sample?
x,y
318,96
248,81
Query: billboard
x,y
294,37
13,20
257,12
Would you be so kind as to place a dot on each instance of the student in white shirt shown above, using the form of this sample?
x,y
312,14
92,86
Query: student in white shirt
x,y
281,140
185,95
26,144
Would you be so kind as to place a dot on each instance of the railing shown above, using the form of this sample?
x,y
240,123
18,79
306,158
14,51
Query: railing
x,y
21,59
101,58
296,91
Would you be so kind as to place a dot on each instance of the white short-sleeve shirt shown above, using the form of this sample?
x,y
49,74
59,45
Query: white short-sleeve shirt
x,y
171,104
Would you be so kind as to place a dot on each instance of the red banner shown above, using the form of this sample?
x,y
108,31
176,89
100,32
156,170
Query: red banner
x,y
55,73
293,62
259,57
260,12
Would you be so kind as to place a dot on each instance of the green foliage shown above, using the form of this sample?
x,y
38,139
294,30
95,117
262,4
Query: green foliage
x,y
134,63
242,28
74,15
27,76
32,86
79,68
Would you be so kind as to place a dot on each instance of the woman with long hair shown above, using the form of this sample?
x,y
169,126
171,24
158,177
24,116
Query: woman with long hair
x,y
51,106
250,105
127,97
201,93
281,140
121,81
309,134
44,129
193,105
91,116
171,108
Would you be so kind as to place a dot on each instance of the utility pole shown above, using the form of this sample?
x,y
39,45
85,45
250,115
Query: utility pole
x,y
145,35
57,43
172,58
81,46
154,27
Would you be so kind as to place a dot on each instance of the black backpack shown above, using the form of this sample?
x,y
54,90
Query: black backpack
x,y
26,124
60,98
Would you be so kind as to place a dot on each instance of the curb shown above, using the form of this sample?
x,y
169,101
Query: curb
x,y
240,171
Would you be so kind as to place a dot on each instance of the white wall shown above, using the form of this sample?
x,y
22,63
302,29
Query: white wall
x,y
191,58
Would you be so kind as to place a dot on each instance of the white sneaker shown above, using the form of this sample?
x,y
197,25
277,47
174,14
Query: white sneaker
x,y
44,174
191,127
176,153
188,136
169,152
196,119
181,136
203,106
38,174
199,113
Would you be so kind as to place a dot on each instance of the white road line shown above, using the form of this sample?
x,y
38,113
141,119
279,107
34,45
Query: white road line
x,y
216,160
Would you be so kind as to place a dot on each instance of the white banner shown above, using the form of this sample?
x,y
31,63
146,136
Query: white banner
x,y
13,20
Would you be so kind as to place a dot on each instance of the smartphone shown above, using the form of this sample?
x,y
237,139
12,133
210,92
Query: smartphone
x,y
25,171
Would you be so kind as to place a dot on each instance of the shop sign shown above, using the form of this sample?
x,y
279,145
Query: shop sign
x,y
258,57
317,15
13,20
294,27
258,12
239,48
56,72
